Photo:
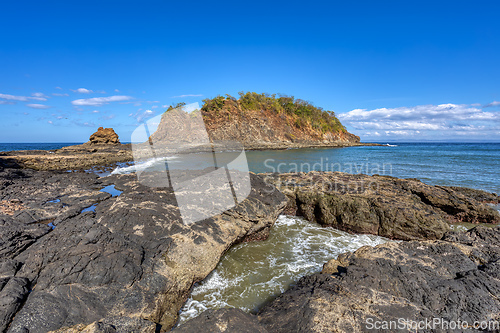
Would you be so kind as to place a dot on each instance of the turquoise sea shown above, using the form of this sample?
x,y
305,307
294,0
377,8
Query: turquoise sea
x,y
475,165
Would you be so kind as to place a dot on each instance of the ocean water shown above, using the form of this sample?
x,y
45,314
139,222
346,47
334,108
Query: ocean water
x,y
36,146
250,274
474,165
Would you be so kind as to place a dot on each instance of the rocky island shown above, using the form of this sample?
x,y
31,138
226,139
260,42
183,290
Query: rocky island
x,y
257,121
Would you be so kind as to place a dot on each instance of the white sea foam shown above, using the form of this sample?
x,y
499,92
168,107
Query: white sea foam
x,y
150,163
250,273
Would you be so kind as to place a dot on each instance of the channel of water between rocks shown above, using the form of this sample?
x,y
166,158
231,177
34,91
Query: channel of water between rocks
x,y
250,274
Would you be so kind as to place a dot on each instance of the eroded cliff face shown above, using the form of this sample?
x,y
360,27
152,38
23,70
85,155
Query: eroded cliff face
x,y
261,126
258,129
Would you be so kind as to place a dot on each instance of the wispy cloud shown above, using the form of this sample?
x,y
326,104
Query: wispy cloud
x,y
99,101
443,120
60,95
39,96
187,95
38,106
111,116
7,102
495,103
140,115
79,122
82,91
14,98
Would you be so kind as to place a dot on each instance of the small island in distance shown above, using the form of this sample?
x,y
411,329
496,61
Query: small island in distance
x,y
257,121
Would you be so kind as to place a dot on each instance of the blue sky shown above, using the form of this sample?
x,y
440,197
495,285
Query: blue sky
x,y
391,70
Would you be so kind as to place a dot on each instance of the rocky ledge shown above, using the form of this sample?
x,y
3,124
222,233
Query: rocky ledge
x,y
75,258
405,209
102,149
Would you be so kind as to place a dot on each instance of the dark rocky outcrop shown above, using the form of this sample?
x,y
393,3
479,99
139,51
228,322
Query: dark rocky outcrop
x,y
127,266
104,136
456,278
395,208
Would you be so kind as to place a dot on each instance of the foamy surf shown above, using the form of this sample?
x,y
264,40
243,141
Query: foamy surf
x,y
148,164
251,273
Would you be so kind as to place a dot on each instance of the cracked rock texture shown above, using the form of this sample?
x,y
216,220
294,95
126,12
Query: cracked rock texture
x,y
403,209
128,266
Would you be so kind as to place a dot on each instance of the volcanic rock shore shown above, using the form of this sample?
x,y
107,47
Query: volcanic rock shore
x,y
79,253
404,209
74,256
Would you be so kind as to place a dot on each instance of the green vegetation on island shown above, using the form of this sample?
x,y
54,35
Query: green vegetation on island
x,y
303,113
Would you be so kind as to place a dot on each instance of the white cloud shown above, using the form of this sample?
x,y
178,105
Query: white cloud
x,y
38,96
495,103
116,90
95,111
431,120
99,101
141,115
82,91
6,102
38,106
59,88
14,98
60,95
187,95
34,96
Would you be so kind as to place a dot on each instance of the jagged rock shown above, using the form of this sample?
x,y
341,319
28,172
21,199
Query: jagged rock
x,y
104,136
395,208
456,278
131,258
223,320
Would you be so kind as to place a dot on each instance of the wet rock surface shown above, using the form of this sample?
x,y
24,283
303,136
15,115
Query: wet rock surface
x,y
403,209
456,278
128,266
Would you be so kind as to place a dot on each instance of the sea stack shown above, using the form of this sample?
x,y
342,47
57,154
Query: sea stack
x,y
104,136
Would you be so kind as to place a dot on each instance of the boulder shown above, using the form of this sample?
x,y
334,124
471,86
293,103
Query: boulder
x,y
104,136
